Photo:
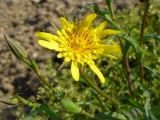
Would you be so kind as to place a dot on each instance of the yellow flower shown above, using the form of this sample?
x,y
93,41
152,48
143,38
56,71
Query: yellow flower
x,y
81,43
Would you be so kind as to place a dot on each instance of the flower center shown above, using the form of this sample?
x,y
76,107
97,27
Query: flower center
x,y
80,39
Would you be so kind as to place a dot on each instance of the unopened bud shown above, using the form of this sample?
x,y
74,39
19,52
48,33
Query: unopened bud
x,y
11,100
16,49
26,102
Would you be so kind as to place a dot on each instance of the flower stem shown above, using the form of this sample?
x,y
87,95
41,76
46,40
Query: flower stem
x,y
110,7
147,3
89,81
39,75
128,75
143,22
126,63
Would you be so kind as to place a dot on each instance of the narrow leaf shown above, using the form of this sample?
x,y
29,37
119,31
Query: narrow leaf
x,y
42,108
47,110
126,113
148,36
150,69
136,47
133,103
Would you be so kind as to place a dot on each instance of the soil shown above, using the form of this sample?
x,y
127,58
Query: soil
x,y
20,20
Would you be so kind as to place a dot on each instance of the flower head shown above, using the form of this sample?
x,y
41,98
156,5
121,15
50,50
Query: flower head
x,y
80,43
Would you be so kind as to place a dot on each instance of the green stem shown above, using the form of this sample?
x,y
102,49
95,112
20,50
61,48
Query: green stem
x,y
110,7
89,81
46,83
39,75
147,3
143,22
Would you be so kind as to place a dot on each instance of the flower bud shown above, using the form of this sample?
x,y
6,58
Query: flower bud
x,y
11,100
26,102
70,106
16,49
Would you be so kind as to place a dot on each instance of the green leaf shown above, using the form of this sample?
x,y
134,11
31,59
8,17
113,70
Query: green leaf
x,y
145,89
109,20
94,6
42,108
29,118
47,110
152,116
109,116
136,47
134,74
147,105
133,103
150,69
126,48
134,114
126,113
134,26
31,114
148,36
156,111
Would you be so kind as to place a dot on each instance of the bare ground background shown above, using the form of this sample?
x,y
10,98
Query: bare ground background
x,y
20,19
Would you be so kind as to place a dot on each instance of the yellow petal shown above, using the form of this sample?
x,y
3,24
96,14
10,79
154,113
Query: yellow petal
x,y
75,70
59,55
101,26
110,56
50,45
106,32
45,36
64,23
109,49
67,59
89,19
98,72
